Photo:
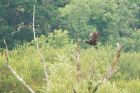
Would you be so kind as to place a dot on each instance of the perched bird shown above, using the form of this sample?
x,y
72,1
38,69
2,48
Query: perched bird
x,y
93,38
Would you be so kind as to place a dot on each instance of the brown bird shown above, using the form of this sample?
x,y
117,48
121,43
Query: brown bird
x,y
93,38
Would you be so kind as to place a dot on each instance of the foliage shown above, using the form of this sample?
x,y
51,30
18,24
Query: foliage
x,y
115,20
107,17
58,25
120,87
62,70
59,38
16,19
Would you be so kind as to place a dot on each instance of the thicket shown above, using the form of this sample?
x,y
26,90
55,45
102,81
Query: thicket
x,y
61,63
61,27
115,20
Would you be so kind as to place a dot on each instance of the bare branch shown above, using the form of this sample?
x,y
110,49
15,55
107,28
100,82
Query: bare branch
x,y
6,53
14,72
37,48
79,75
112,69
20,79
77,60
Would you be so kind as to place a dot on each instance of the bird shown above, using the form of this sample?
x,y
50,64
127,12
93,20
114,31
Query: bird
x,y
93,38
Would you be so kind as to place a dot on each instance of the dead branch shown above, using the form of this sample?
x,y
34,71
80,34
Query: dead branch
x,y
77,56
14,72
77,60
112,69
37,48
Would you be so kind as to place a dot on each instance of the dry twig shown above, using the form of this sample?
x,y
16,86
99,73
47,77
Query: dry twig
x,y
112,68
14,72
77,60
39,52
79,75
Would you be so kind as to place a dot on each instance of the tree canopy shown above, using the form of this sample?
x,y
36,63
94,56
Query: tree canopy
x,y
115,20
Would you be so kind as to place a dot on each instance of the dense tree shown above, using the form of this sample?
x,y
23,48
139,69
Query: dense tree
x,y
16,19
111,18
115,20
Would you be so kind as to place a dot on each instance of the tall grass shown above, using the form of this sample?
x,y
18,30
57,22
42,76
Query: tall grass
x,y
62,70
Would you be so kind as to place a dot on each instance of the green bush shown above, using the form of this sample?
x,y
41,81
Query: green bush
x,y
59,38
62,69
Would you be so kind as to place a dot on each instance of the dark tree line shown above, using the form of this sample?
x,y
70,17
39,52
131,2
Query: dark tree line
x,y
115,20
